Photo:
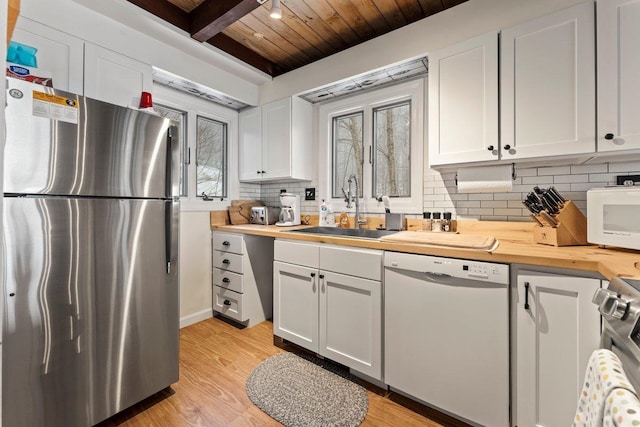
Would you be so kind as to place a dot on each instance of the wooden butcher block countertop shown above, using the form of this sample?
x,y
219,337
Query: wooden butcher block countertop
x,y
515,245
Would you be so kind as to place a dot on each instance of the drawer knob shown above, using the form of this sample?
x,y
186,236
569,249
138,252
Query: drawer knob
x,y
226,243
226,280
226,302
226,261
490,148
321,276
609,136
507,147
313,274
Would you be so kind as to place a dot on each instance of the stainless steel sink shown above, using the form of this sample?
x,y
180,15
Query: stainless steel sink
x,y
345,232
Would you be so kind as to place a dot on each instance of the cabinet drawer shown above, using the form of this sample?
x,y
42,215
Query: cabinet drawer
x,y
228,280
227,262
228,303
306,254
363,263
227,242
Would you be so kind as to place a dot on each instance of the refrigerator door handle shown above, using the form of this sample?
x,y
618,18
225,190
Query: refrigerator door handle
x,y
172,181
168,233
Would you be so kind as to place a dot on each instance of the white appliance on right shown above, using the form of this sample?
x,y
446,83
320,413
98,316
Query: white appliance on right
x,y
447,335
290,211
612,216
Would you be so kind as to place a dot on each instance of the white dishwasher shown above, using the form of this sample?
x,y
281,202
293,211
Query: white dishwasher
x,y
447,334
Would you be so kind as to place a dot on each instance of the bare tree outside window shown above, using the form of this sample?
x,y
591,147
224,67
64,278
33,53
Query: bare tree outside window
x,y
180,117
211,157
348,154
392,146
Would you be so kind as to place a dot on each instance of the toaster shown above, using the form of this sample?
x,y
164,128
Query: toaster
x,y
265,215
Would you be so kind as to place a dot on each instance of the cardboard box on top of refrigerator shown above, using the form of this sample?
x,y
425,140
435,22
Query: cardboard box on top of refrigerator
x,y
29,74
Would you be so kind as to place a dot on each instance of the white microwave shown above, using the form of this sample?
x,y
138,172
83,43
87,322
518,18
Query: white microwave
x,y
613,216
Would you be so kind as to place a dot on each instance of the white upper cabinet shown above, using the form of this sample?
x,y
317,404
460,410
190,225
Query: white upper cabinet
x,y
463,102
115,78
250,124
618,71
58,53
275,141
548,85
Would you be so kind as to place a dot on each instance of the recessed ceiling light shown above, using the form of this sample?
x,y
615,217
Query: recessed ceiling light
x,y
259,36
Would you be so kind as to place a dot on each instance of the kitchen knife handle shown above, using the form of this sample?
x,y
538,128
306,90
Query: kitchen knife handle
x,y
535,218
526,295
549,219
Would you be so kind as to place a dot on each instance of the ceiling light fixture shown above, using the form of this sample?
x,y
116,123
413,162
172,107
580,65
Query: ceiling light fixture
x,y
276,12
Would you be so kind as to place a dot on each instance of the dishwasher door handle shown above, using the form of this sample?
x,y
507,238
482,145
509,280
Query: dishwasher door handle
x,y
435,276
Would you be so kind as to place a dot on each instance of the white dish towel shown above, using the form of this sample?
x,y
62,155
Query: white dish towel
x,y
607,398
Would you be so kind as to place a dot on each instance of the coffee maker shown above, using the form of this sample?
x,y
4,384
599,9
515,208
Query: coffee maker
x,y
290,212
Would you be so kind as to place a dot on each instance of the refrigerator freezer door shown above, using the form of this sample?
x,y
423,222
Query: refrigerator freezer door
x,y
64,144
91,314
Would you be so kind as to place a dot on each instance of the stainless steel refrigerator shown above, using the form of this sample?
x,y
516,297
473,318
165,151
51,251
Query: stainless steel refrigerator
x,y
90,322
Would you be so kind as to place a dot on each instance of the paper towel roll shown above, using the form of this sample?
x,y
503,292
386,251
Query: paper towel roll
x,y
485,179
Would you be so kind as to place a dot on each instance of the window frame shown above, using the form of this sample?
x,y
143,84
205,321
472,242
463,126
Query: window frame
x,y
196,106
413,91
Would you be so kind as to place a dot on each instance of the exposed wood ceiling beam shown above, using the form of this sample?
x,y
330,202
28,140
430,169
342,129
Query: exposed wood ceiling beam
x,y
166,11
181,19
213,16
233,48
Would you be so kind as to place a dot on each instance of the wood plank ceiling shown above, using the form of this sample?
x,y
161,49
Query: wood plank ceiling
x,y
308,31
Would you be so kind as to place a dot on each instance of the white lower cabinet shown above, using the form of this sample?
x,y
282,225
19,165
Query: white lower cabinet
x,y
558,327
328,299
241,277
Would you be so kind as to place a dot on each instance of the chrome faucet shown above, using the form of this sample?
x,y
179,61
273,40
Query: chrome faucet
x,y
349,198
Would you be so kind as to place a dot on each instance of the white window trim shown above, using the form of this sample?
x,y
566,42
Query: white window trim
x,y
195,106
414,91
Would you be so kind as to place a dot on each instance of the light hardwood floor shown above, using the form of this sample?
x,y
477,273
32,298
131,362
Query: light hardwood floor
x,y
215,361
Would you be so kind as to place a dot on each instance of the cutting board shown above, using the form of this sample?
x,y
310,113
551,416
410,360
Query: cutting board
x,y
240,210
480,243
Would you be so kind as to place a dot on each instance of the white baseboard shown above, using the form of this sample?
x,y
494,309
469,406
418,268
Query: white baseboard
x,y
196,317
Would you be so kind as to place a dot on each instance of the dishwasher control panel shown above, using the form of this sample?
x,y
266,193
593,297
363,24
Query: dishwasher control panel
x,y
452,267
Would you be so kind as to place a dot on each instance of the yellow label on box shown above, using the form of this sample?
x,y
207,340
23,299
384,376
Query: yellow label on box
x,y
55,99
55,107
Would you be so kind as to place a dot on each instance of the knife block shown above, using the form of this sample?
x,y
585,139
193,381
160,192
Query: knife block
x,y
570,231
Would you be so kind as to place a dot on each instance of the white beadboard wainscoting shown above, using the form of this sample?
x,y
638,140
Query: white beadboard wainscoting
x,y
441,194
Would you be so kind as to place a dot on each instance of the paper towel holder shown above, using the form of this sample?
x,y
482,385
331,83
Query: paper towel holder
x,y
514,174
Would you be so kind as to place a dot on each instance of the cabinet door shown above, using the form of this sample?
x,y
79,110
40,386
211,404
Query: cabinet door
x,y
463,102
295,304
58,53
115,78
548,85
555,337
251,145
351,322
618,70
276,139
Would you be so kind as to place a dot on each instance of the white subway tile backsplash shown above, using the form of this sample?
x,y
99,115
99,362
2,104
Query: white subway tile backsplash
x,y
554,170
493,204
578,169
624,168
537,180
481,196
441,194
526,171
570,178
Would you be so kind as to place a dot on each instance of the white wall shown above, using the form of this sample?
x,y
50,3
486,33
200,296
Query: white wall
x,y
462,22
195,267
152,42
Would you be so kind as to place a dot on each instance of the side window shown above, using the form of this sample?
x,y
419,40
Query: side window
x,y
180,117
392,147
348,151
211,158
